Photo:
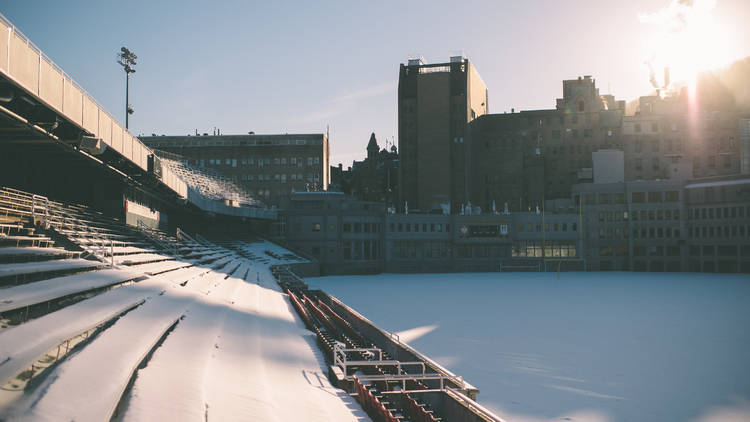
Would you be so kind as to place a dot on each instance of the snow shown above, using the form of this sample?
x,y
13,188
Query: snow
x,y
238,352
258,251
589,347
7,270
21,345
37,251
140,258
41,291
159,266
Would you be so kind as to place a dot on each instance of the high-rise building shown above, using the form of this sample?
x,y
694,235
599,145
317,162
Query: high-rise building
x,y
435,103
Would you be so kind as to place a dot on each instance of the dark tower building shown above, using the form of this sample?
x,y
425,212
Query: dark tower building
x,y
372,147
435,103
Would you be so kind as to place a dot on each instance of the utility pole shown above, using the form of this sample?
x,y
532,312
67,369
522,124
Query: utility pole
x,y
127,59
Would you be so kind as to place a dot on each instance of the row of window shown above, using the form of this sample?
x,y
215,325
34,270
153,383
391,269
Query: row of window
x,y
718,231
282,178
655,215
658,196
361,227
656,145
654,126
410,249
720,250
711,161
548,227
535,249
199,142
655,233
717,212
260,162
415,227
357,250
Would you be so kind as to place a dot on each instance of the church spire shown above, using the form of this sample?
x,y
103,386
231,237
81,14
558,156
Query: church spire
x,y
372,147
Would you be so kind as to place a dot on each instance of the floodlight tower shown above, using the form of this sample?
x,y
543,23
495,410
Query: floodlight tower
x,y
127,59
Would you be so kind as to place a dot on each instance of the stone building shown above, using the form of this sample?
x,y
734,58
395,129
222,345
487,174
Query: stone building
x,y
373,179
522,157
268,166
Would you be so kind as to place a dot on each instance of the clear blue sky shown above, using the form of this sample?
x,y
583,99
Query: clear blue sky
x,y
276,67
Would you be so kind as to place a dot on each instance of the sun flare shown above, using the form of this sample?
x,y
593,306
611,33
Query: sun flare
x,y
688,41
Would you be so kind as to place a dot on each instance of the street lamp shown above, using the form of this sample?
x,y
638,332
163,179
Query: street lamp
x,y
127,60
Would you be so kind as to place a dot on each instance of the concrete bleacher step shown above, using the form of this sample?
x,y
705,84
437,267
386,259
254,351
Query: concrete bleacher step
x,y
34,254
43,291
25,272
18,241
143,258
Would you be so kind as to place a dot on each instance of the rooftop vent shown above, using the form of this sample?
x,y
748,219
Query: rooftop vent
x,y
458,59
416,61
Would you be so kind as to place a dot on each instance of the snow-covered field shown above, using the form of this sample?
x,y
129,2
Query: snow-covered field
x,y
614,347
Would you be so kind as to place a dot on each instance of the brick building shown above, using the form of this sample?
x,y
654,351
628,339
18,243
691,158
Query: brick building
x,y
268,166
435,102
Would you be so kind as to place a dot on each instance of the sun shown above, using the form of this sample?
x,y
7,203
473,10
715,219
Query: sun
x,y
689,41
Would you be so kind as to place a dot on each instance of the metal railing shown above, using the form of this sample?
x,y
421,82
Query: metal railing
x,y
181,235
51,214
157,237
341,361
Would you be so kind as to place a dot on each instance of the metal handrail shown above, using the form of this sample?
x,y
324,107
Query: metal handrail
x,y
155,237
52,215
181,235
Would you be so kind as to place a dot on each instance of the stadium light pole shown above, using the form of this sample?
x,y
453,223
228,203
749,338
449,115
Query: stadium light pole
x,y
127,59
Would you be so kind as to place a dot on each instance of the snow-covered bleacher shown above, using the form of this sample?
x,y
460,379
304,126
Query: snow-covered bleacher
x,y
208,181
79,323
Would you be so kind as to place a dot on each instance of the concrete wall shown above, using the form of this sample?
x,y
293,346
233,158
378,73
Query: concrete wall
x,y
4,39
609,166
51,84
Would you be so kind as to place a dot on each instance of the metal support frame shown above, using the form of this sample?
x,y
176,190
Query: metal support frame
x,y
340,360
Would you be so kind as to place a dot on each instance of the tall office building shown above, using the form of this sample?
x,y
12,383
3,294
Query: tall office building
x,y
435,103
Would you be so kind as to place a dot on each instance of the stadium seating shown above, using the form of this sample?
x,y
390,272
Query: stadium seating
x,y
56,256
209,182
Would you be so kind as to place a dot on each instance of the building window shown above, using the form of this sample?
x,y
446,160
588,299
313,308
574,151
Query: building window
x,y
638,127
